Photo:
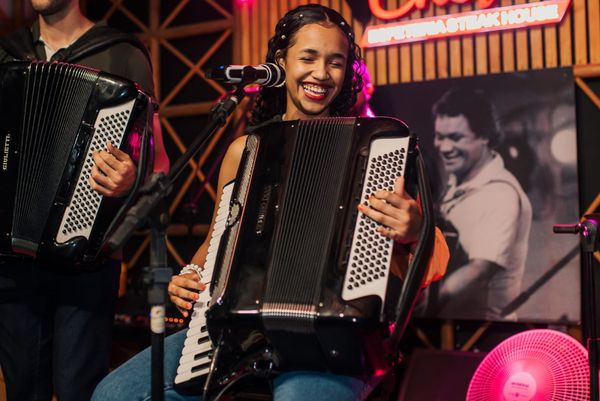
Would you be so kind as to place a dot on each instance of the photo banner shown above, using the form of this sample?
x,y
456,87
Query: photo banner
x,y
502,160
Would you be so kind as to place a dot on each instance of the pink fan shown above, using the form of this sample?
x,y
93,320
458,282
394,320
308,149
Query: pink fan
x,y
534,365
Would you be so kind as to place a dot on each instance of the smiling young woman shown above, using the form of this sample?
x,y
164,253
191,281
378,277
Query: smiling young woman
x,y
315,66
316,47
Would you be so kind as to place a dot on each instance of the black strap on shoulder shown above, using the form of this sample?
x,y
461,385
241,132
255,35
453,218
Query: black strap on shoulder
x,y
97,39
19,44
254,128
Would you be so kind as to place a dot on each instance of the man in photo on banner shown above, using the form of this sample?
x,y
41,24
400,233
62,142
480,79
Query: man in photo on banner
x,y
484,209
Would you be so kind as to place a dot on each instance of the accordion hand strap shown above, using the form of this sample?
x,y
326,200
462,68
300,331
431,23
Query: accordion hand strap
x,y
419,261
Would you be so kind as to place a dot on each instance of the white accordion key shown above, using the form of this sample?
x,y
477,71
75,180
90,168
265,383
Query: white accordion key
x,y
186,377
199,308
370,253
195,356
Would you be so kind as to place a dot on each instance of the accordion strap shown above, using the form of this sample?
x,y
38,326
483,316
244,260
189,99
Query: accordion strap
x,y
20,45
98,38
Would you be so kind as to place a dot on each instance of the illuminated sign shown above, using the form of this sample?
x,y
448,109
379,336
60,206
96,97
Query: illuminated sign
x,y
381,13
493,19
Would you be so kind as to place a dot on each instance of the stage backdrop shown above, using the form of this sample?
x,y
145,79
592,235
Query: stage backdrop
x,y
536,113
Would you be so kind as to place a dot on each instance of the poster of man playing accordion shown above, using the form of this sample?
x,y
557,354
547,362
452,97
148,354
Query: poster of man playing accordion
x,y
503,166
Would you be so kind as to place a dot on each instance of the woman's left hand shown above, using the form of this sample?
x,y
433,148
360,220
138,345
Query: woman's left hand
x,y
397,212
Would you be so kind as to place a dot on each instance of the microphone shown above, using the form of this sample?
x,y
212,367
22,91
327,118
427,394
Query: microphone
x,y
268,74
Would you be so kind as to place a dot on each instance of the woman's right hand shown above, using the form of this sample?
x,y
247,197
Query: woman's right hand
x,y
183,290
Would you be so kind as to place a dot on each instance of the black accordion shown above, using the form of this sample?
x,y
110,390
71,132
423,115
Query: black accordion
x,y
300,279
53,116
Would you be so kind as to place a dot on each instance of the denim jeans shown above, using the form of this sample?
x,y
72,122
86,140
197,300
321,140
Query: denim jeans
x,y
131,381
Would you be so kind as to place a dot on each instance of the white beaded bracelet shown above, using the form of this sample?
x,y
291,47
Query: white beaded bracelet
x,y
192,268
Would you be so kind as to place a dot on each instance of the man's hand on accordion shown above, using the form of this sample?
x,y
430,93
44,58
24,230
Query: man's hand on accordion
x,y
113,173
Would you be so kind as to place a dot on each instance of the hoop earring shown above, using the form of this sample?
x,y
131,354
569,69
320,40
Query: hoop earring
x,y
283,82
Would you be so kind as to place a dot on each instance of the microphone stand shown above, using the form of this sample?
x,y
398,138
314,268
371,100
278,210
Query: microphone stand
x,y
589,235
146,212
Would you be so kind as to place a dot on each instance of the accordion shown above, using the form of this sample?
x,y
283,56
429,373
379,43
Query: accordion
x,y
300,279
53,117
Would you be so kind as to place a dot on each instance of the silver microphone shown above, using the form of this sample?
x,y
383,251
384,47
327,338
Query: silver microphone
x,y
268,74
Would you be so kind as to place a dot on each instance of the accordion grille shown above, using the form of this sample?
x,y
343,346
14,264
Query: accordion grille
x,y
50,89
299,257
81,211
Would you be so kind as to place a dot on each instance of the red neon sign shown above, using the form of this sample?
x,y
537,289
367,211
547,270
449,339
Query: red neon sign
x,y
381,13
494,19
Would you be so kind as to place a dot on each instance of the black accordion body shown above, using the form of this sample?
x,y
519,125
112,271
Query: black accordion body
x,y
301,277
53,116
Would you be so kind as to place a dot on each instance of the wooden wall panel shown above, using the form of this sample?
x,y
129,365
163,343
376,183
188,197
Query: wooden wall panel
x,y
429,52
522,45
393,60
441,47
417,54
467,48
575,41
564,40
536,48
593,25
405,56
580,30
550,50
456,60
493,53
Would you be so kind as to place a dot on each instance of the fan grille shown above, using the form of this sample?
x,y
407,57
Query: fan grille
x,y
556,362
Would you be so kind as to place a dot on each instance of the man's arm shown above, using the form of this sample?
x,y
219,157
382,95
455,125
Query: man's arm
x,y
436,266
139,71
161,160
487,226
465,278
114,172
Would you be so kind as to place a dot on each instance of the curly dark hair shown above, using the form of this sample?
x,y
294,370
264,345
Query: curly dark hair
x,y
271,101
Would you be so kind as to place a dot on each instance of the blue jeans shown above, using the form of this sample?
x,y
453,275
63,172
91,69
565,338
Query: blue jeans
x,y
131,381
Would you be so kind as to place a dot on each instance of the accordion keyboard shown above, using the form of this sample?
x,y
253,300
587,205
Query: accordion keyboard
x,y
81,211
371,252
196,354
